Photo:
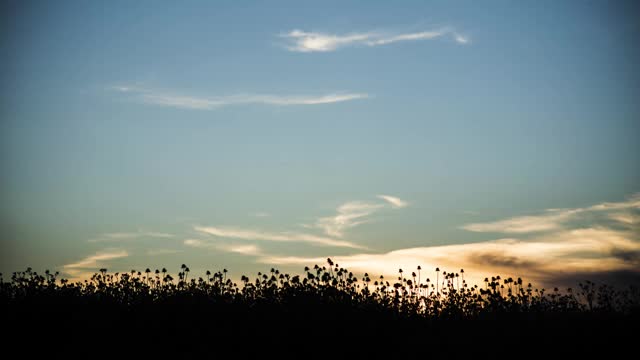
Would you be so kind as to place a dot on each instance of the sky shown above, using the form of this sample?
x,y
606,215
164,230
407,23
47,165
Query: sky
x,y
497,137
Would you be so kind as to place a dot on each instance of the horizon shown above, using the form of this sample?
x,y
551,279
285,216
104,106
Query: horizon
x,y
499,140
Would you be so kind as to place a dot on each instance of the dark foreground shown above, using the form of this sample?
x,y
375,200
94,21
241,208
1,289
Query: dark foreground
x,y
327,312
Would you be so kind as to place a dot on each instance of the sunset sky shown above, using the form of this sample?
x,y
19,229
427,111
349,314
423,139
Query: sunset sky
x,y
246,135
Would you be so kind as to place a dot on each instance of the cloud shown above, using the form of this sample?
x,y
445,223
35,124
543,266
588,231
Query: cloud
x,y
310,41
523,224
425,35
633,202
94,261
260,214
559,247
352,214
460,39
303,41
85,268
168,99
121,236
349,215
244,249
545,259
554,219
257,235
626,218
199,244
395,202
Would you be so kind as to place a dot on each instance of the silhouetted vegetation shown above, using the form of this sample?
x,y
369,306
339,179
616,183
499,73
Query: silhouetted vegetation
x,y
327,304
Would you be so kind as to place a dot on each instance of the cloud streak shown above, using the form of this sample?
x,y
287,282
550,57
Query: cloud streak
x,y
258,235
559,247
523,224
304,41
260,214
243,249
158,252
354,213
123,236
544,259
349,215
555,219
95,260
395,202
171,99
626,218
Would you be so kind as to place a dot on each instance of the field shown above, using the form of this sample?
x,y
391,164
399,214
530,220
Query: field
x,y
326,308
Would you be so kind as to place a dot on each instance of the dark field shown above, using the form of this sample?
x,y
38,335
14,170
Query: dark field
x,y
327,311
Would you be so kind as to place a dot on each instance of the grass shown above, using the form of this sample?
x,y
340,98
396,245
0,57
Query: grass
x,y
326,307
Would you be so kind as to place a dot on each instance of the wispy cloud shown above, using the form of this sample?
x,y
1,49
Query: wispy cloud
x,y
424,35
559,251
85,268
244,249
543,259
257,235
197,243
354,213
250,249
172,99
627,218
553,219
395,202
122,236
349,215
632,203
97,259
260,214
523,224
461,39
304,41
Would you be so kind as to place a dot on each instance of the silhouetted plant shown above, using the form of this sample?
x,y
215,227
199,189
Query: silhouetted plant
x,y
332,287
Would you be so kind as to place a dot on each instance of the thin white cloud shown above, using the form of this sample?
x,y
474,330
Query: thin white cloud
x,y
121,236
552,219
260,214
305,41
349,215
626,218
250,234
425,35
523,224
85,268
138,234
170,99
354,213
243,249
94,261
197,243
395,202
252,250
632,203
461,39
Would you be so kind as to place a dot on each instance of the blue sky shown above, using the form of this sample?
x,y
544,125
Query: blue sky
x,y
241,135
